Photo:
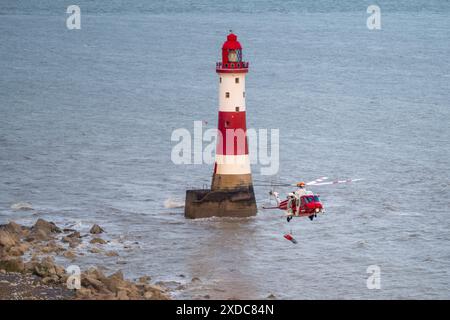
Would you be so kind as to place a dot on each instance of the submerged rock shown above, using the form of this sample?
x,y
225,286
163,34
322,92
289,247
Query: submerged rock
x,y
50,247
111,254
96,229
98,240
74,234
69,254
73,239
95,250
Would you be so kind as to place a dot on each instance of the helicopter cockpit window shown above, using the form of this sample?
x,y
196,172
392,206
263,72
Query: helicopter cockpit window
x,y
316,198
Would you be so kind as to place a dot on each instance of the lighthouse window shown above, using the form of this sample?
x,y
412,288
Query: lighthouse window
x,y
220,79
227,94
236,80
243,94
232,56
237,109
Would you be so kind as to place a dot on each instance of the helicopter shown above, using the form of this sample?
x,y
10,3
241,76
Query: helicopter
x,y
308,205
304,203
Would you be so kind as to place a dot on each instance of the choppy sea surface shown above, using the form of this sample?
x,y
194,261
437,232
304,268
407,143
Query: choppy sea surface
x,y
86,118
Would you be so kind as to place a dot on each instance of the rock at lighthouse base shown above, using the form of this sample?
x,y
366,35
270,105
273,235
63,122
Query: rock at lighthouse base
x,y
208,203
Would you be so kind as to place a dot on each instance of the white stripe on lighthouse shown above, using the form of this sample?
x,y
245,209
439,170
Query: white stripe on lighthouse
x,y
235,92
230,164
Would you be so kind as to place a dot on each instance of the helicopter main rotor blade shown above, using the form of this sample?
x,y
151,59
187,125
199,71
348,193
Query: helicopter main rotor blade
x,y
335,182
321,179
275,185
318,182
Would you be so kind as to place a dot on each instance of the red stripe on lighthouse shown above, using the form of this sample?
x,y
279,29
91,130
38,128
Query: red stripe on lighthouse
x,y
233,134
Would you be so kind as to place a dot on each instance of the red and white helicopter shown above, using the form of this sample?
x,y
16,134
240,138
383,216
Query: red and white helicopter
x,y
303,203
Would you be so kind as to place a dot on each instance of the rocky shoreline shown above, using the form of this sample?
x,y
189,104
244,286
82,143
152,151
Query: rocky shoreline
x,y
28,269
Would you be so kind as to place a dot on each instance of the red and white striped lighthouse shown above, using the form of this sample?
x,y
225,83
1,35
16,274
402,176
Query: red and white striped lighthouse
x,y
232,167
231,193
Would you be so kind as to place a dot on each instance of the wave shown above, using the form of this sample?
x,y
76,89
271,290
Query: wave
x,y
172,203
22,206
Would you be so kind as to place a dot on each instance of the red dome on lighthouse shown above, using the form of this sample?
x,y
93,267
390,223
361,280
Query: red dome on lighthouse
x,y
231,42
232,57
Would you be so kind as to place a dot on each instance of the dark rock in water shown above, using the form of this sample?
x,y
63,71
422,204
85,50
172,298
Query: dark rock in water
x,y
95,250
111,254
38,235
74,243
98,240
47,227
271,296
50,247
168,285
42,231
69,254
75,234
96,229
195,279
73,239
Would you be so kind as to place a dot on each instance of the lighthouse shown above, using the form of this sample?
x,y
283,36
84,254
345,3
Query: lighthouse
x,y
231,193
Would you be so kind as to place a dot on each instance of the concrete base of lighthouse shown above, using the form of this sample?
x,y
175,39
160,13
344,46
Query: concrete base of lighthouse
x,y
220,203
